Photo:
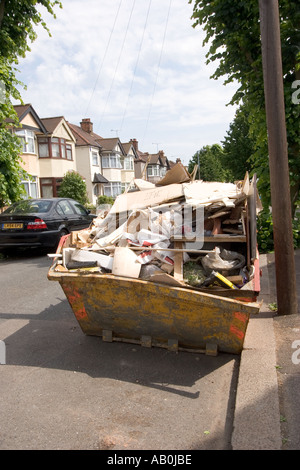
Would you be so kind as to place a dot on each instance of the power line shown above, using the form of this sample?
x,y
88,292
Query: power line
x,y
106,50
118,62
158,68
136,65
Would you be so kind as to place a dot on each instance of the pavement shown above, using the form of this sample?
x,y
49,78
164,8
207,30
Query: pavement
x,y
267,411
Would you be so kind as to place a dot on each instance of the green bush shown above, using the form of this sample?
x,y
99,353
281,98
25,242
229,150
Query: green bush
x,y
105,200
91,208
265,239
74,187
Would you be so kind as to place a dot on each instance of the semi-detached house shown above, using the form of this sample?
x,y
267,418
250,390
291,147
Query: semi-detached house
x,y
53,146
48,151
88,158
107,165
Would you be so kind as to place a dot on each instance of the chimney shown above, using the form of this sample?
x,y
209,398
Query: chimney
x,y
135,144
86,125
178,160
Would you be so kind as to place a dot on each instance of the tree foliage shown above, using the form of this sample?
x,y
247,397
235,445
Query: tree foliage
x,y
17,21
238,146
74,187
231,160
209,160
233,36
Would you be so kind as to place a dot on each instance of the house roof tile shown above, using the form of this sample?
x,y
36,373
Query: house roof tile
x,y
23,109
52,123
85,138
98,178
110,144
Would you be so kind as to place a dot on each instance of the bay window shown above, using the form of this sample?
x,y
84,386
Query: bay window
x,y
54,147
27,140
112,189
128,163
153,170
95,159
111,161
30,186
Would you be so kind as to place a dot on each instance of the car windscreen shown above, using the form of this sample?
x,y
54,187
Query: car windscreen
x,y
29,207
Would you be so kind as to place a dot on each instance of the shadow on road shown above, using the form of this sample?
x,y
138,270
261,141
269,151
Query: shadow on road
x,y
111,388
53,339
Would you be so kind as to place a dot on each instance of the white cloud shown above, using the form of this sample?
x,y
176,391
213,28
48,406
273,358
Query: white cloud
x,y
111,62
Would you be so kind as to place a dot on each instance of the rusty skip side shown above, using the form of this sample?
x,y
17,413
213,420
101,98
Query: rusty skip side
x,y
152,314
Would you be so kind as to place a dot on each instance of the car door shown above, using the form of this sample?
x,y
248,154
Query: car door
x,y
83,216
67,214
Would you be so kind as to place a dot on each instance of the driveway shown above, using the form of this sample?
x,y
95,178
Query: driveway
x,y
61,389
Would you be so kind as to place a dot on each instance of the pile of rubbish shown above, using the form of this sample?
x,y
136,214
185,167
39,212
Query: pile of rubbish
x,y
172,232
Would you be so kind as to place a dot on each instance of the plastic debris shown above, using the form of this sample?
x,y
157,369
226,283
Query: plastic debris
x,y
173,233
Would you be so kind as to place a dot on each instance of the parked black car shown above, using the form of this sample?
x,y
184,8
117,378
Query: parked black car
x,y
41,222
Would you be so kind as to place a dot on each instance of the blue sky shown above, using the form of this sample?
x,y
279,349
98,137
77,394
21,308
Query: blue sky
x,y
136,69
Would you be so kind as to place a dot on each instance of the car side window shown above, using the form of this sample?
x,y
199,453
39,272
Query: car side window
x,y
64,208
79,209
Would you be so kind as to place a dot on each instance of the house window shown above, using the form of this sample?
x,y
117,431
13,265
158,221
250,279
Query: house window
x,y
54,147
43,148
111,161
125,186
96,190
163,171
128,163
153,170
112,189
69,152
27,140
95,159
50,187
30,186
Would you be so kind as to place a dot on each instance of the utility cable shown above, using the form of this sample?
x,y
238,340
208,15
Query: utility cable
x,y
136,65
118,62
158,68
104,57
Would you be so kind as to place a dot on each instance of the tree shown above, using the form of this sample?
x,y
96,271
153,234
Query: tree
x,y
233,32
210,160
17,21
238,146
74,187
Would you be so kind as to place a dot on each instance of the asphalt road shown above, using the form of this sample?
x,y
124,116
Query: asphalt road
x,y
61,389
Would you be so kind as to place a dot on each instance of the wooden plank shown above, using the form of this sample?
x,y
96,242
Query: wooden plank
x,y
252,214
146,198
217,238
178,262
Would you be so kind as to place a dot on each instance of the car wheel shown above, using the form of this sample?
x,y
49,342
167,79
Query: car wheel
x,y
62,233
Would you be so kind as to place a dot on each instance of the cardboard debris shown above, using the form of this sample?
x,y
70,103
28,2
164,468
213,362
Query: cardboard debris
x,y
206,193
125,263
143,184
166,279
74,254
177,174
147,234
147,198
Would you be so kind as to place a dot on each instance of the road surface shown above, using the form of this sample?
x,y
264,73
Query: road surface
x,y
61,389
